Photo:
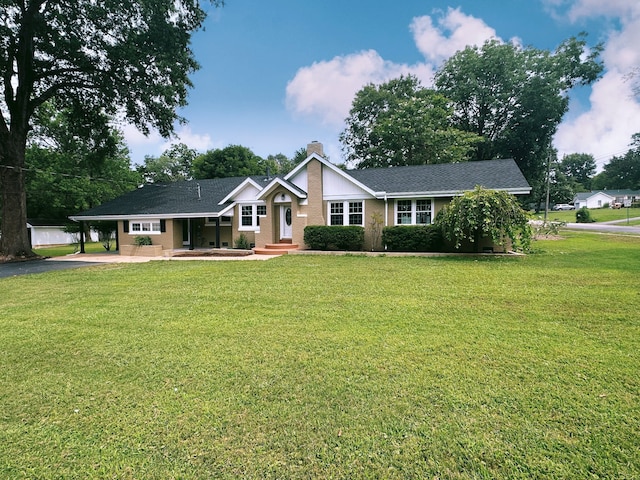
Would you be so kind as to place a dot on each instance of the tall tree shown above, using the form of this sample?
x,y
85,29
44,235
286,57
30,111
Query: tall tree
x,y
514,97
173,165
130,57
402,123
74,164
578,168
231,161
621,172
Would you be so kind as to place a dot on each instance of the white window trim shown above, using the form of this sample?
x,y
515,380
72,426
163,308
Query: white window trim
x,y
254,227
150,221
413,211
345,211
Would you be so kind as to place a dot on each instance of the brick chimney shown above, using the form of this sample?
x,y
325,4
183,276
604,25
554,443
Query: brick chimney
x,y
315,147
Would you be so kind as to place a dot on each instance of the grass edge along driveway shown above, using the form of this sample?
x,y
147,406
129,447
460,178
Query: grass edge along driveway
x,y
327,367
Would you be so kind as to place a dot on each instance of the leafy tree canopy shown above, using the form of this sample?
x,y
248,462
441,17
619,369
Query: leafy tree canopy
x,y
621,172
515,97
130,58
73,165
231,161
579,168
173,165
485,213
402,123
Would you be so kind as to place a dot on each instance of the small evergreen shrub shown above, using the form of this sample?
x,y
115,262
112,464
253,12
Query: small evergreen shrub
x,y
584,216
334,237
242,243
410,238
142,240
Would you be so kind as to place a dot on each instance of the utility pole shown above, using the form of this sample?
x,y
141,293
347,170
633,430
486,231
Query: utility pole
x,y
546,205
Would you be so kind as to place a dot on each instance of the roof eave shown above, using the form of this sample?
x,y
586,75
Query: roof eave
x,y
447,193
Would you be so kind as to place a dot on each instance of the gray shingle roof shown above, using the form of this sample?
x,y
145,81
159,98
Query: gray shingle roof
x,y
502,174
202,197
172,198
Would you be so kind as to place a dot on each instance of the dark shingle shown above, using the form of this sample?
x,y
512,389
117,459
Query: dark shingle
x,y
446,177
172,198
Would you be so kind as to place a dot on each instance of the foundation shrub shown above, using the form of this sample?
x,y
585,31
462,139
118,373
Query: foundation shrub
x,y
142,240
334,237
411,238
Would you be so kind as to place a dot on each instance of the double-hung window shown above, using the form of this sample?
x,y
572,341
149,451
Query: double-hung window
x,y
346,213
250,216
413,212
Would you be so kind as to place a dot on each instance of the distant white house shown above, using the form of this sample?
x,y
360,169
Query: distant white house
x,y
596,199
600,198
51,232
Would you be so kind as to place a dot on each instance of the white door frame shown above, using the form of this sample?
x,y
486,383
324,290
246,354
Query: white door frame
x,y
286,231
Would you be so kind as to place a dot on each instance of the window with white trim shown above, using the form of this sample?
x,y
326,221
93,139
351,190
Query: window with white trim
x,y
250,216
246,215
150,227
413,212
346,213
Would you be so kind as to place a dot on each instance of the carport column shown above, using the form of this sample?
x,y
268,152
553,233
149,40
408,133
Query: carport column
x,y
217,232
81,236
192,232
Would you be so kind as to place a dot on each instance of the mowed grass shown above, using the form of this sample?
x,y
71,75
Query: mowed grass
x,y
328,367
61,250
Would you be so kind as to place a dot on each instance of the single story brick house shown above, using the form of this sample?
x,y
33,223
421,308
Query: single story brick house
x,y
274,210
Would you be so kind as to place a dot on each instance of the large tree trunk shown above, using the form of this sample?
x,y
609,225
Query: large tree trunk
x,y
14,242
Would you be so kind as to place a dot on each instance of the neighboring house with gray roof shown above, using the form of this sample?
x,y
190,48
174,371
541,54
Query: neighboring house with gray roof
x,y
271,211
600,198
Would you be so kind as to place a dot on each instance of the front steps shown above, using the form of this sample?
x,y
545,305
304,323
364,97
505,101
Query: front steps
x,y
281,248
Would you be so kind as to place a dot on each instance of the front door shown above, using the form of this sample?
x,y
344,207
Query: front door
x,y
285,221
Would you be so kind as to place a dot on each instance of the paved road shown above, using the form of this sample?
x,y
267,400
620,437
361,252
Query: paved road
x,y
604,227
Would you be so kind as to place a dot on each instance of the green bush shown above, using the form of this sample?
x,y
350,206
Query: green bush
x,y
140,240
584,216
483,213
242,242
335,237
410,238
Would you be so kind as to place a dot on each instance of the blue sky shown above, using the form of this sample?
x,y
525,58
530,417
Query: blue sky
x,y
278,74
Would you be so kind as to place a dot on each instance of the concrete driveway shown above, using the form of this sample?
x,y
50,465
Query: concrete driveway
x,y
87,259
38,266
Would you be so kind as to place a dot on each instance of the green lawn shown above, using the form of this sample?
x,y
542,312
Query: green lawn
x,y
597,214
328,367
62,250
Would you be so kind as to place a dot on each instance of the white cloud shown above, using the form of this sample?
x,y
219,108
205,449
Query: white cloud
x,y
451,33
607,127
614,114
611,8
198,142
135,138
325,90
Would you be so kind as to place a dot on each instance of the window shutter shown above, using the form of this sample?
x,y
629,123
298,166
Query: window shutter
x,y
125,226
163,225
